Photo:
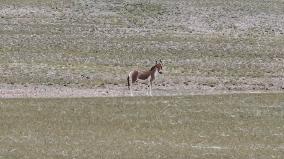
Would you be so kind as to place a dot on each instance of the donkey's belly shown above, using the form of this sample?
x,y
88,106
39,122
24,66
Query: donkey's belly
x,y
143,76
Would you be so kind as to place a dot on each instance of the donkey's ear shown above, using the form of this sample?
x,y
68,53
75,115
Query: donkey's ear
x,y
161,61
156,62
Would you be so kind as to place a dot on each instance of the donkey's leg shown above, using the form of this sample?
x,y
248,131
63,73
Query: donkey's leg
x,y
150,88
147,89
130,83
131,91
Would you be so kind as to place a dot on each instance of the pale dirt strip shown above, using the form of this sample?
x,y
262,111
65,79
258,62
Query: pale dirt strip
x,y
42,91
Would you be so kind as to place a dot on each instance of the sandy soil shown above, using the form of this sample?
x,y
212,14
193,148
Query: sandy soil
x,y
41,91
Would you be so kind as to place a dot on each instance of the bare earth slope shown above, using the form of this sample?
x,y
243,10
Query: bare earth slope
x,y
74,46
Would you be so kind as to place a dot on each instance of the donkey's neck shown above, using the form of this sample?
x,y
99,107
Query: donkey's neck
x,y
153,68
154,72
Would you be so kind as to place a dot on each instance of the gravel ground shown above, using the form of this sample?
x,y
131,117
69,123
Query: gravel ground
x,y
40,91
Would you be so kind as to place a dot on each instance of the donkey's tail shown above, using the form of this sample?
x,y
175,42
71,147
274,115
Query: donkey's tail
x,y
128,82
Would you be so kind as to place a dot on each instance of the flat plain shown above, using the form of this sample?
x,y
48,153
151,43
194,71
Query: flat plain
x,y
213,126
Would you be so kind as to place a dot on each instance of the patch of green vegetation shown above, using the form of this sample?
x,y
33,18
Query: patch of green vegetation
x,y
204,55
113,21
143,9
72,75
247,6
234,126
139,13
30,2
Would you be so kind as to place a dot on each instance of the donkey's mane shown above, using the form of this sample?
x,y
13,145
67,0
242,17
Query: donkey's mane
x,y
152,68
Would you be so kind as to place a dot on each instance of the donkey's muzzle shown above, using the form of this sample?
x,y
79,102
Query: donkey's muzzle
x,y
160,72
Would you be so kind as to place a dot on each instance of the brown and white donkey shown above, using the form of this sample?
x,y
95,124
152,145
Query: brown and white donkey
x,y
149,75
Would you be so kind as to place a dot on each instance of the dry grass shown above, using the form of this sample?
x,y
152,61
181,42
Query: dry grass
x,y
219,126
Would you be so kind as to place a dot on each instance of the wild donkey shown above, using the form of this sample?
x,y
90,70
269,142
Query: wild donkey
x,y
149,75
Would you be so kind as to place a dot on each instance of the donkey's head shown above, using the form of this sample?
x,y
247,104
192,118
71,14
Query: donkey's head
x,y
159,66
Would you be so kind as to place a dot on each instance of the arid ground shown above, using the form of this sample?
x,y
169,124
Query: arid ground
x,y
206,46
64,64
